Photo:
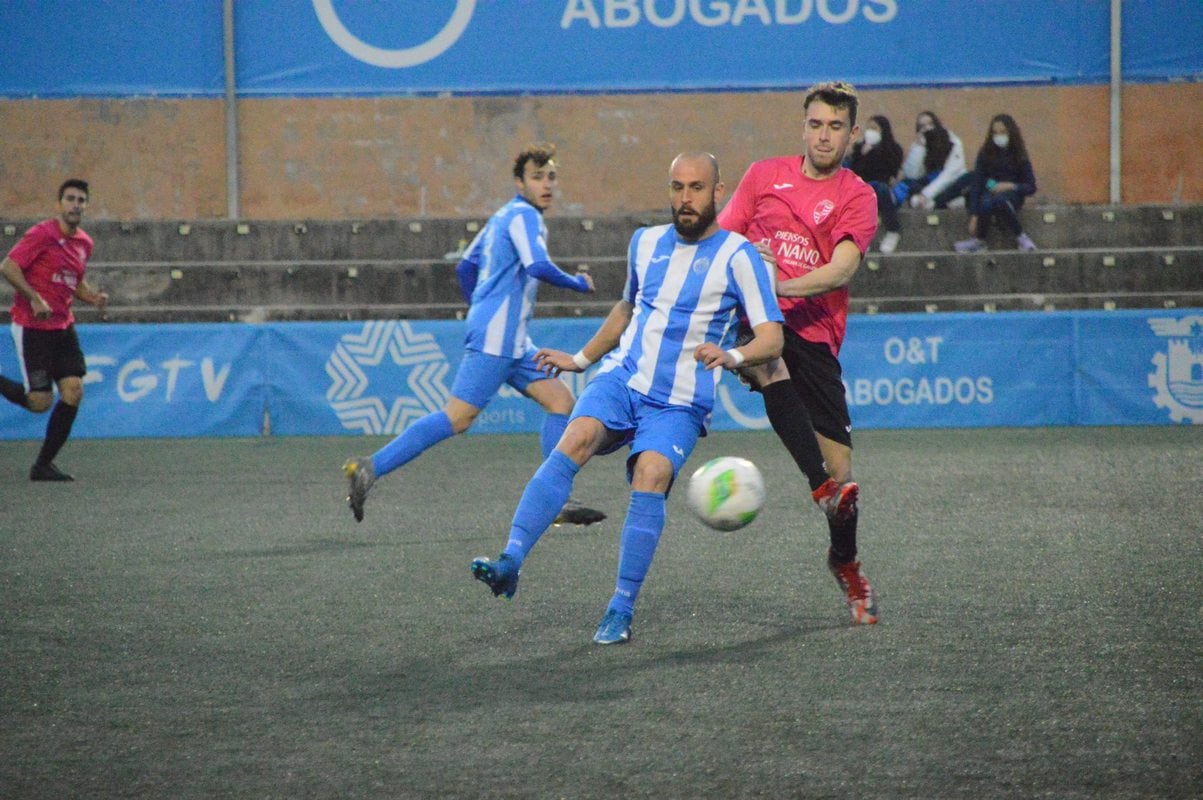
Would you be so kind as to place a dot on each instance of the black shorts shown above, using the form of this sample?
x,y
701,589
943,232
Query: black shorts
x,y
49,356
819,380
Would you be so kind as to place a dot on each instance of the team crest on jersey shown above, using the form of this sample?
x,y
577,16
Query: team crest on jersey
x,y
1178,378
701,265
823,211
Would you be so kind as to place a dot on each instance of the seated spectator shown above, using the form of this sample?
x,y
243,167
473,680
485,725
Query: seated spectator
x,y
933,162
877,159
1002,179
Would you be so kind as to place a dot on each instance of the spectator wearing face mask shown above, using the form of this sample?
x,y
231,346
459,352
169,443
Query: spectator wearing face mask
x,y
1002,179
876,158
934,161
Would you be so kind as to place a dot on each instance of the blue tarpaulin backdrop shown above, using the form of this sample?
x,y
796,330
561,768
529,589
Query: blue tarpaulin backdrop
x,y
391,47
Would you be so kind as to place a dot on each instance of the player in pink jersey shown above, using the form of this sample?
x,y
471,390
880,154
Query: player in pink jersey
x,y
814,219
46,268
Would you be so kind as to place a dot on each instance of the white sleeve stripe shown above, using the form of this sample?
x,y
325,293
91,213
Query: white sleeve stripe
x,y
521,240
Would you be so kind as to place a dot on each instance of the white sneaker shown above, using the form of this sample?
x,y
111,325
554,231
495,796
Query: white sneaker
x,y
1025,243
956,202
969,246
889,242
921,201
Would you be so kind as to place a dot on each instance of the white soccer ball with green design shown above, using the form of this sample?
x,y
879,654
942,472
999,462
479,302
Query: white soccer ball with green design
x,y
726,493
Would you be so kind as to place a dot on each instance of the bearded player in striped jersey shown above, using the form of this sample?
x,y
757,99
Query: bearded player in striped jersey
x,y
687,286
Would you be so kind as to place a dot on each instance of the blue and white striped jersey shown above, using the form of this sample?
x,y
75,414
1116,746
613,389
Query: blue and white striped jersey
x,y
684,294
503,299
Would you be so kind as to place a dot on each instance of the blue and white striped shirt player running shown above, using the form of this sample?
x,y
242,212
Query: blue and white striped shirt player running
x,y
499,276
510,254
686,293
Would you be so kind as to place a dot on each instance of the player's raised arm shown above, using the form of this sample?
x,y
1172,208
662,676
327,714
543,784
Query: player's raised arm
x,y
549,273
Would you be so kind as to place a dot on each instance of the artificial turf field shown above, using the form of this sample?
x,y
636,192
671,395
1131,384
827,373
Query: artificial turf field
x,y
204,619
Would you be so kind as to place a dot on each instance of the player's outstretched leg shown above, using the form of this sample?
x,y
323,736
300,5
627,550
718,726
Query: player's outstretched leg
x,y
501,576
859,595
360,477
573,513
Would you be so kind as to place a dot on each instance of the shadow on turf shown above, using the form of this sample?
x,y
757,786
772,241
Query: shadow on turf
x,y
314,547
584,673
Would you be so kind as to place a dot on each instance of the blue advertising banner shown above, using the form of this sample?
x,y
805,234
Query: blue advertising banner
x,y
158,380
516,46
1144,369
376,378
959,370
399,47
110,48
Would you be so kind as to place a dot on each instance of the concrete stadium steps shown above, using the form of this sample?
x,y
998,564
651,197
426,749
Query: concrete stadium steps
x,y
318,240
1049,271
1059,228
1089,257
1052,227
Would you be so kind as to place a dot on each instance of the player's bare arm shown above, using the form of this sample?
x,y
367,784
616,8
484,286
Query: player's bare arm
x,y
14,275
832,275
765,346
553,362
86,293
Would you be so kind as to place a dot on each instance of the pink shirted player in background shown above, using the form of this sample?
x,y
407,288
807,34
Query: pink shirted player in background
x,y
814,219
46,268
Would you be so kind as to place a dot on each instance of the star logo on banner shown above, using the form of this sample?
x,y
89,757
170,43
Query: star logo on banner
x,y
405,371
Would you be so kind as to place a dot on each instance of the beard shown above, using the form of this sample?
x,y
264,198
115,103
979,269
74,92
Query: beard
x,y
692,230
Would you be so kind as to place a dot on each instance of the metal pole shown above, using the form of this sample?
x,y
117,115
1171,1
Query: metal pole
x,y
232,188
1116,89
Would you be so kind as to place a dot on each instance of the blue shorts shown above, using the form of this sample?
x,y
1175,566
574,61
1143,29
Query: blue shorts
x,y
644,424
480,376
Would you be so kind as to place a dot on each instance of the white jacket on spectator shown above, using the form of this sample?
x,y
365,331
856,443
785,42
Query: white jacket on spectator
x,y
954,166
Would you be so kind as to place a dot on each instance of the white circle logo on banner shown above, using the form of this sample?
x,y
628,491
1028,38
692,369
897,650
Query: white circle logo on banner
x,y
401,57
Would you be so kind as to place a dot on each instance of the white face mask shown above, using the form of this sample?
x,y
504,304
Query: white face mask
x,y
872,137
1000,140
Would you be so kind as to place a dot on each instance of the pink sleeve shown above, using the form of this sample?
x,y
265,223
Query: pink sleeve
x,y
737,214
27,250
858,222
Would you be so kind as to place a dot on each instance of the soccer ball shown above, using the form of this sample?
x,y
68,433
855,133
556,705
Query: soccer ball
x,y
726,493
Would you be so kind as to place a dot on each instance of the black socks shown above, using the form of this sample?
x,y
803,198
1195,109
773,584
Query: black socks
x,y
12,391
791,421
57,431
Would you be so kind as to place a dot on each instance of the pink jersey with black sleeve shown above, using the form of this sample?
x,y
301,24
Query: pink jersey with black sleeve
x,y
53,264
803,220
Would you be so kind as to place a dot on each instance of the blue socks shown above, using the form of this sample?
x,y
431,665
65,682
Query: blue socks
x,y
541,502
434,428
553,429
640,535
416,439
